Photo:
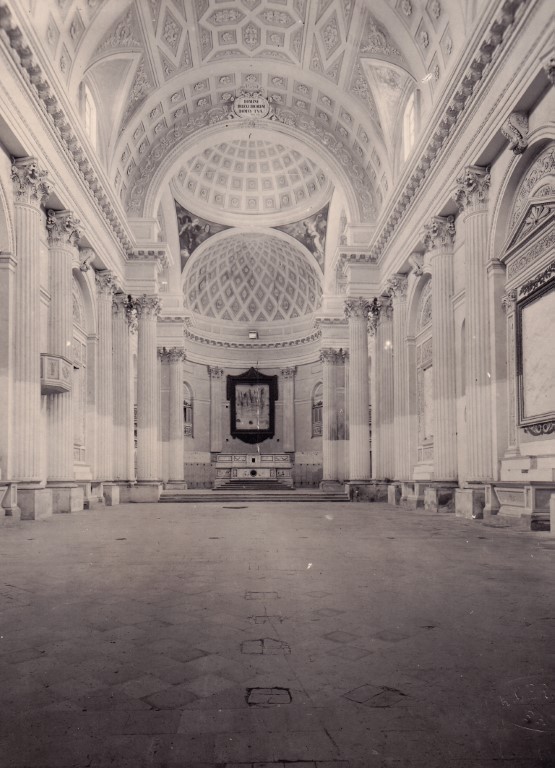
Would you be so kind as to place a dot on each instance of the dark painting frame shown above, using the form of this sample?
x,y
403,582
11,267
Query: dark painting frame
x,y
262,391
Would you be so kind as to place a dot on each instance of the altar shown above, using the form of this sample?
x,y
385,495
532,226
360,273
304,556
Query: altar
x,y
257,466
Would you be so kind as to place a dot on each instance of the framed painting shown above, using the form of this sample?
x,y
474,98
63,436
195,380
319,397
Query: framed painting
x,y
252,397
536,361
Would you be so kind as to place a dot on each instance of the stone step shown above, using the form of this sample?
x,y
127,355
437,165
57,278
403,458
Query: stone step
x,y
219,497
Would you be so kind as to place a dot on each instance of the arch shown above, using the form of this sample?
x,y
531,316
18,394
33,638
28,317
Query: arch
x,y
520,168
322,147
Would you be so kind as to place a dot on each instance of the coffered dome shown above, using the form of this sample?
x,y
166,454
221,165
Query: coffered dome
x,y
251,277
252,176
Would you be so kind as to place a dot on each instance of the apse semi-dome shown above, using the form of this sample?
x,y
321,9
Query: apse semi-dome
x,y
251,176
251,277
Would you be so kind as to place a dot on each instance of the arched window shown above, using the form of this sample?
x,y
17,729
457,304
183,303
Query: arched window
x,y
409,125
90,115
317,409
187,410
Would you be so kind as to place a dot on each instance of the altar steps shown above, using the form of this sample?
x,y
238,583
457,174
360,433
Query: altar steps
x,y
226,496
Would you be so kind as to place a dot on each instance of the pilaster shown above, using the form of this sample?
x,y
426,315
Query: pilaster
x,y
174,357
122,435
384,406
439,238
288,375
216,398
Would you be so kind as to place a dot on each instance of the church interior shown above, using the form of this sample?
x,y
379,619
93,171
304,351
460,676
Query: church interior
x,y
267,266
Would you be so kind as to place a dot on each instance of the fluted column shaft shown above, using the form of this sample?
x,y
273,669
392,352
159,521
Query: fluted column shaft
x,y
288,396
30,190
106,287
385,357
398,285
472,196
216,397
148,389
356,311
439,239
122,434
329,415
176,468
63,236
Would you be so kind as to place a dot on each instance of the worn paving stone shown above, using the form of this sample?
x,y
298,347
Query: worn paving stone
x,y
128,654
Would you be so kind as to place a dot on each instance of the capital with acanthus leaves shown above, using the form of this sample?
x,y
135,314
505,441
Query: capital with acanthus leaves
x,y
63,228
147,306
439,234
357,308
30,184
398,284
472,189
106,283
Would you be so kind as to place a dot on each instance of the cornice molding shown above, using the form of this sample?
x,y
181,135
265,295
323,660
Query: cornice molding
x,y
51,105
226,344
466,90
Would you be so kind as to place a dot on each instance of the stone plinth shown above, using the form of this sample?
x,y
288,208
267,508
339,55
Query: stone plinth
x,y
470,502
67,498
34,503
412,495
144,493
8,495
438,498
111,494
394,494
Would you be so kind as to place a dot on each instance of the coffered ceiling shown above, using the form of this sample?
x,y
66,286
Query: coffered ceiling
x,y
164,72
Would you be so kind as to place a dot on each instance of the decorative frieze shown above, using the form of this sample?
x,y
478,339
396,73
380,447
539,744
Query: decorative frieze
x,y
30,183
544,277
63,228
537,430
473,187
515,129
439,234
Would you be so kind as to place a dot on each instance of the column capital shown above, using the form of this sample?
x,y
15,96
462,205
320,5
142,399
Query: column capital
x,y
289,373
357,308
508,302
105,283
439,233
214,372
384,308
472,188
30,184
398,285
63,229
333,356
147,306
172,355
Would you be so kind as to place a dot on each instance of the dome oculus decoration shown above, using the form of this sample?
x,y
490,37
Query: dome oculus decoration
x,y
252,277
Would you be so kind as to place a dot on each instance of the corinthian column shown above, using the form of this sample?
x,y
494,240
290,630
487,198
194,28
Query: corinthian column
x,y
63,237
356,311
148,385
398,288
288,375
30,191
175,358
122,424
439,238
106,287
472,198
216,397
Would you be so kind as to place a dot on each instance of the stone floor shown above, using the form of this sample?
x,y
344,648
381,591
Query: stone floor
x,y
244,636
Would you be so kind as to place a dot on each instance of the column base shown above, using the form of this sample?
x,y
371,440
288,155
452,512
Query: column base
x,y
394,494
470,502
34,503
111,494
145,491
176,485
366,490
524,507
8,496
67,498
331,485
94,494
412,495
439,498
